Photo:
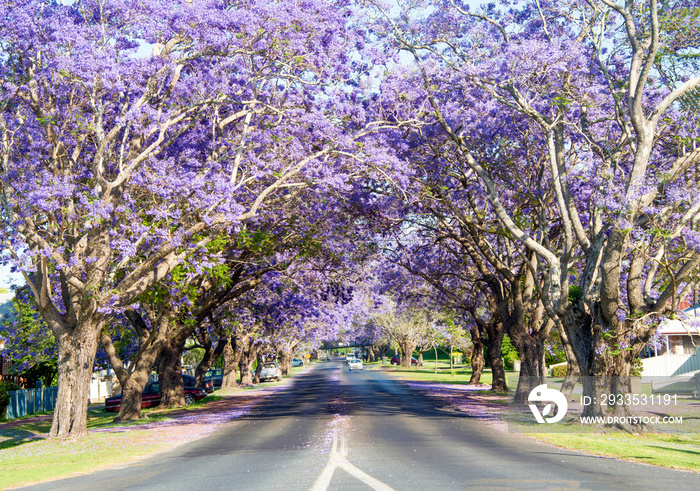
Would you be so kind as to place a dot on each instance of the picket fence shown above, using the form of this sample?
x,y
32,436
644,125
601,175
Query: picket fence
x,y
25,402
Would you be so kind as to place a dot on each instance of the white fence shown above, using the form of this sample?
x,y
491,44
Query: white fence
x,y
99,389
668,365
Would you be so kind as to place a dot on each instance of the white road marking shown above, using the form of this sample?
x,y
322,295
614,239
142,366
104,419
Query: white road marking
x,y
338,460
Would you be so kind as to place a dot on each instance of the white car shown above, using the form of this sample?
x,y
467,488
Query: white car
x,y
355,364
271,371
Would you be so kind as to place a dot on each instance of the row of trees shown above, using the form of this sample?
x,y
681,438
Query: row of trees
x,y
166,165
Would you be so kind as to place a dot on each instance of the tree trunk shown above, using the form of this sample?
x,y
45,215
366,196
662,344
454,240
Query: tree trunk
x,y
436,361
170,372
498,370
572,370
286,362
76,355
478,361
231,361
258,367
248,357
134,379
132,392
407,348
532,370
210,356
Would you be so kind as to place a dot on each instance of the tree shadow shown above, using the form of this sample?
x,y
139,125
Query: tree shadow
x,y
13,437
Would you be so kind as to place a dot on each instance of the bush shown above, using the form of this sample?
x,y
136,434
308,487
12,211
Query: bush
x,y
508,352
559,371
5,388
637,367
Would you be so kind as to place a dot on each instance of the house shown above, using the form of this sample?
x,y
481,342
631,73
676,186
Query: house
x,y
675,347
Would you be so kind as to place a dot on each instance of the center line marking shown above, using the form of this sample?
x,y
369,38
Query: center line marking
x,y
338,459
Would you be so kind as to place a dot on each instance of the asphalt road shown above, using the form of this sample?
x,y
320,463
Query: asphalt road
x,y
335,430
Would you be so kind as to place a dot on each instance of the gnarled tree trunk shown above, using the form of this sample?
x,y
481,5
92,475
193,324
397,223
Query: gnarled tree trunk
x,y
170,371
478,362
134,379
247,360
532,368
407,348
498,370
211,353
76,357
572,369
232,358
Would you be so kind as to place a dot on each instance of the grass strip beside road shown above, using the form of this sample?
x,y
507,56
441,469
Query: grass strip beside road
x,y
665,450
41,459
671,450
27,456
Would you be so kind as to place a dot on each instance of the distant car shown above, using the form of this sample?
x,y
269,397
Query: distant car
x,y
349,357
355,364
297,362
189,380
396,360
151,397
215,376
271,371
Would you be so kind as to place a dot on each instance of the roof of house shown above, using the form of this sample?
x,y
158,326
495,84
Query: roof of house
x,y
677,327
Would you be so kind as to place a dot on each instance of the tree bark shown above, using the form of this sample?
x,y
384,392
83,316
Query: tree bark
x,y
210,356
572,369
498,370
407,348
76,354
132,392
258,367
232,358
478,362
134,379
532,369
247,360
286,362
170,371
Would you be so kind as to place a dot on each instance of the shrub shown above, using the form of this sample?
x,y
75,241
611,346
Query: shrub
x,y
508,352
4,398
559,371
637,367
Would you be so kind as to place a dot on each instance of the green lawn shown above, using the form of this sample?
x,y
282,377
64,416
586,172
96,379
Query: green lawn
x,y
26,456
666,450
460,375
673,450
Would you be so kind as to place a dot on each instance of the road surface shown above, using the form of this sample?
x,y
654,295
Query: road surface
x,y
336,430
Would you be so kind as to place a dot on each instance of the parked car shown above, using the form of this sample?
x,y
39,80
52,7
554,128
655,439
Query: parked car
x,y
396,360
297,362
271,371
355,364
189,380
151,397
215,376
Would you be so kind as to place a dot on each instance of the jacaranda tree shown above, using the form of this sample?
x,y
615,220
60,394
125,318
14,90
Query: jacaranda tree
x,y
134,132
608,92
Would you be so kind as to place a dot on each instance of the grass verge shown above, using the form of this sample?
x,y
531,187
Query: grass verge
x,y
672,450
665,450
27,456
